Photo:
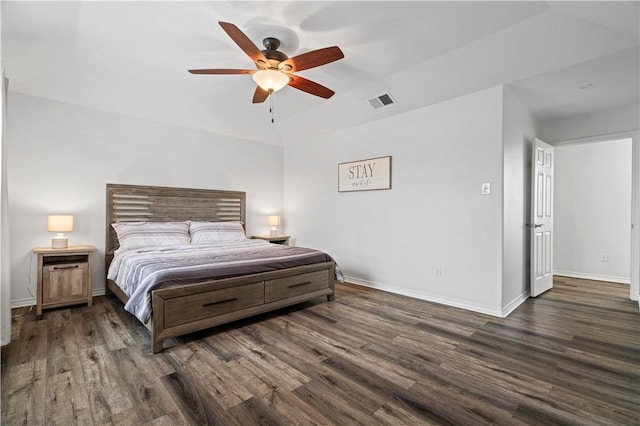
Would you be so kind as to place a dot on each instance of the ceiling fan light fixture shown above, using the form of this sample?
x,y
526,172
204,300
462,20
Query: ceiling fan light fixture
x,y
270,80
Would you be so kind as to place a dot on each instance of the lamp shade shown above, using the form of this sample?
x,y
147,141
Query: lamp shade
x,y
60,223
273,220
270,80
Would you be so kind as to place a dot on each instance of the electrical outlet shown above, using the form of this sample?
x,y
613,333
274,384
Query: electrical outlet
x,y
604,257
438,272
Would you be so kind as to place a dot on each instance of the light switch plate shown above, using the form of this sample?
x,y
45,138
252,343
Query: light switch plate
x,y
486,188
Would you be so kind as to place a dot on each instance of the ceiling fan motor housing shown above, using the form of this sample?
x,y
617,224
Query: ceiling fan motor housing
x,y
274,56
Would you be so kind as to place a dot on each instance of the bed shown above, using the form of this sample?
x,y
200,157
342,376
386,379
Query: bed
x,y
247,277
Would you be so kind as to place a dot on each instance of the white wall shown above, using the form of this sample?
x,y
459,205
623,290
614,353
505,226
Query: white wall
x,y
519,130
5,276
635,216
434,217
614,120
60,157
593,210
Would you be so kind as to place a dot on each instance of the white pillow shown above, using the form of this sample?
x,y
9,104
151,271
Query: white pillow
x,y
133,235
215,232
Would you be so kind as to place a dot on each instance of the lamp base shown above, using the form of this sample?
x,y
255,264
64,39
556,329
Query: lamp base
x,y
59,242
273,232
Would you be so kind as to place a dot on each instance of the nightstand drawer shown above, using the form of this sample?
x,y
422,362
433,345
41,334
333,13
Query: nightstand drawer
x,y
181,310
64,283
293,286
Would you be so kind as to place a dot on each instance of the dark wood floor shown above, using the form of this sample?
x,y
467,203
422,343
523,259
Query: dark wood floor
x,y
571,356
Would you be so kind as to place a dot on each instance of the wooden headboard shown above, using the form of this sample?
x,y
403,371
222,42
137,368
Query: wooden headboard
x,y
135,203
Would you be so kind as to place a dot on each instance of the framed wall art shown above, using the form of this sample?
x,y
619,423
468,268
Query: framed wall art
x,y
365,175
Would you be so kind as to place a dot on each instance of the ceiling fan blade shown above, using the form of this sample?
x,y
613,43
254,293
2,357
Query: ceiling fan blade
x,y
309,86
260,95
313,59
221,71
245,43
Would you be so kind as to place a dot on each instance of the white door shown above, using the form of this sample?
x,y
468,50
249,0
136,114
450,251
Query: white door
x,y
542,218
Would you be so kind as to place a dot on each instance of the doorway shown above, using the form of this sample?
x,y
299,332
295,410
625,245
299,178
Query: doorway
x,y
593,209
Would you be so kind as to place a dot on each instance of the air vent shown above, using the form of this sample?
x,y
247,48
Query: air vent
x,y
381,101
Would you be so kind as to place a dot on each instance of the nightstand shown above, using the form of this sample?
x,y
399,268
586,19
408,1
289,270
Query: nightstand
x,y
274,239
64,276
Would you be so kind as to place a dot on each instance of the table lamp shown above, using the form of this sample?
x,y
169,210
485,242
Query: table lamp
x,y
273,222
60,223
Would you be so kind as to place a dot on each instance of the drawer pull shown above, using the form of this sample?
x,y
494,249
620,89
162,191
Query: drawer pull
x,y
66,267
300,284
220,302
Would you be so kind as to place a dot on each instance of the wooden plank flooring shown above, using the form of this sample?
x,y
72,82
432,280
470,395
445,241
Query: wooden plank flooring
x,y
571,356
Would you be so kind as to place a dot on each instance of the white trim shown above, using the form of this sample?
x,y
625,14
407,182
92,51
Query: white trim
x,y
19,303
600,138
428,297
596,277
511,306
635,217
5,261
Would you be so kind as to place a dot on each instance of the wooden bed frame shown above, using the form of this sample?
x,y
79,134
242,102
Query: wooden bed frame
x,y
194,307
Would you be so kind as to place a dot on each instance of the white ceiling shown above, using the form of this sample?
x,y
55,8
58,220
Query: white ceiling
x,y
132,58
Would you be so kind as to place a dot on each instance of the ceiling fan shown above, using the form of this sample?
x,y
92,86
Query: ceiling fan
x,y
274,68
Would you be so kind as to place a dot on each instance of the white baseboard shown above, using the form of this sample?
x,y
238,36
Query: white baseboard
x,y
19,303
428,297
511,306
621,280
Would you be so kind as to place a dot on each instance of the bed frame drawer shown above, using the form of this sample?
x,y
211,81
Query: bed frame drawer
x,y
185,309
293,286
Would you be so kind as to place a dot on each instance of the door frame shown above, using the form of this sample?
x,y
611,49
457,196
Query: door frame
x,y
634,288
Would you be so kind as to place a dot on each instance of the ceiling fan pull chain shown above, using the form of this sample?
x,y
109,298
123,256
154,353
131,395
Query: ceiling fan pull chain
x,y
271,105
